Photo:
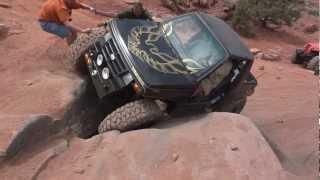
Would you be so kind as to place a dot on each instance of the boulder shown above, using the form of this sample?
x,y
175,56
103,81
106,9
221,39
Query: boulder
x,y
261,68
213,146
22,126
270,55
311,28
5,5
4,30
255,51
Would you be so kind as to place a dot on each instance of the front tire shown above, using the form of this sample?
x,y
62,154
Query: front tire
x,y
83,41
131,116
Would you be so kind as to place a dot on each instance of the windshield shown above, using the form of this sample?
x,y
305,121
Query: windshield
x,y
194,43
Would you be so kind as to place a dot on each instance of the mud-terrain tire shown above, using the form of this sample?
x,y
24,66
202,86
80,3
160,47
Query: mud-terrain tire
x,y
295,58
131,116
234,103
83,41
313,64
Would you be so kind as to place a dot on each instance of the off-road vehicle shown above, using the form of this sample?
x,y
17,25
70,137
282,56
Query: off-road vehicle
x,y
191,61
308,57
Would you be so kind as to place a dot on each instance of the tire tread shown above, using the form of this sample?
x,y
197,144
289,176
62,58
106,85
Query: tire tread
x,y
131,116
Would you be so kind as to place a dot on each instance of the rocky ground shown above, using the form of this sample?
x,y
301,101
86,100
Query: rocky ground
x,y
34,80
211,151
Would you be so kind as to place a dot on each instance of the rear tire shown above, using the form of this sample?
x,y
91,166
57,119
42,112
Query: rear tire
x,y
235,101
131,116
232,106
239,105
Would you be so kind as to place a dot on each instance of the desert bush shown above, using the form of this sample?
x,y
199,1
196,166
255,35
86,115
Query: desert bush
x,y
203,3
265,12
312,7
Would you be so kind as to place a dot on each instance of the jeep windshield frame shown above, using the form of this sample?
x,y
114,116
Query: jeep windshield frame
x,y
196,45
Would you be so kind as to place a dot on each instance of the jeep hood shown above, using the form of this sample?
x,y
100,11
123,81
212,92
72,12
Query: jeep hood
x,y
152,56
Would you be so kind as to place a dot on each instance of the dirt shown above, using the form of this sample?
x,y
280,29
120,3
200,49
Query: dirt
x,y
284,107
34,80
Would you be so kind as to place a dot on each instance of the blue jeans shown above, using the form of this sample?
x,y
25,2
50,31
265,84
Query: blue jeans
x,y
55,28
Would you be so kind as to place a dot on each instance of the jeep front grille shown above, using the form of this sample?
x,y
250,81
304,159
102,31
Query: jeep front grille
x,y
114,58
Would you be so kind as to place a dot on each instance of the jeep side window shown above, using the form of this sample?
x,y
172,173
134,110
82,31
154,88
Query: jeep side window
x,y
194,43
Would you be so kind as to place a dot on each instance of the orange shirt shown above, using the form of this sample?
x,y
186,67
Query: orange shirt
x,y
56,11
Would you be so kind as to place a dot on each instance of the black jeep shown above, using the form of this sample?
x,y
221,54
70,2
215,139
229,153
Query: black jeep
x,y
191,61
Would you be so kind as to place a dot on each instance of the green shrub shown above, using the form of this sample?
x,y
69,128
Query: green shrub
x,y
265,12
312,7
313,12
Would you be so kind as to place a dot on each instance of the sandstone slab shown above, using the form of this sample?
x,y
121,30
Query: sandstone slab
x,y
207,147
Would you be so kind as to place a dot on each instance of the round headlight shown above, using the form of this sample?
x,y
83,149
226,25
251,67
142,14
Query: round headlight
x,y
105,73
94,72
99,60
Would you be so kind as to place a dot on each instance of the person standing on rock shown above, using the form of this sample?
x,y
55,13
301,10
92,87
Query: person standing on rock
x,y
55,15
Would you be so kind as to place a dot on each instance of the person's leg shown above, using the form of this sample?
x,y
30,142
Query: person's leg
x,y
57,29
72,37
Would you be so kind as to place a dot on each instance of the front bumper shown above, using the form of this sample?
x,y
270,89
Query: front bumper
x,y
119,75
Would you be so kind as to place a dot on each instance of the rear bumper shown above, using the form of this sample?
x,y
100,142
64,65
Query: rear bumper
x,y
250,83
238,94
244,88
